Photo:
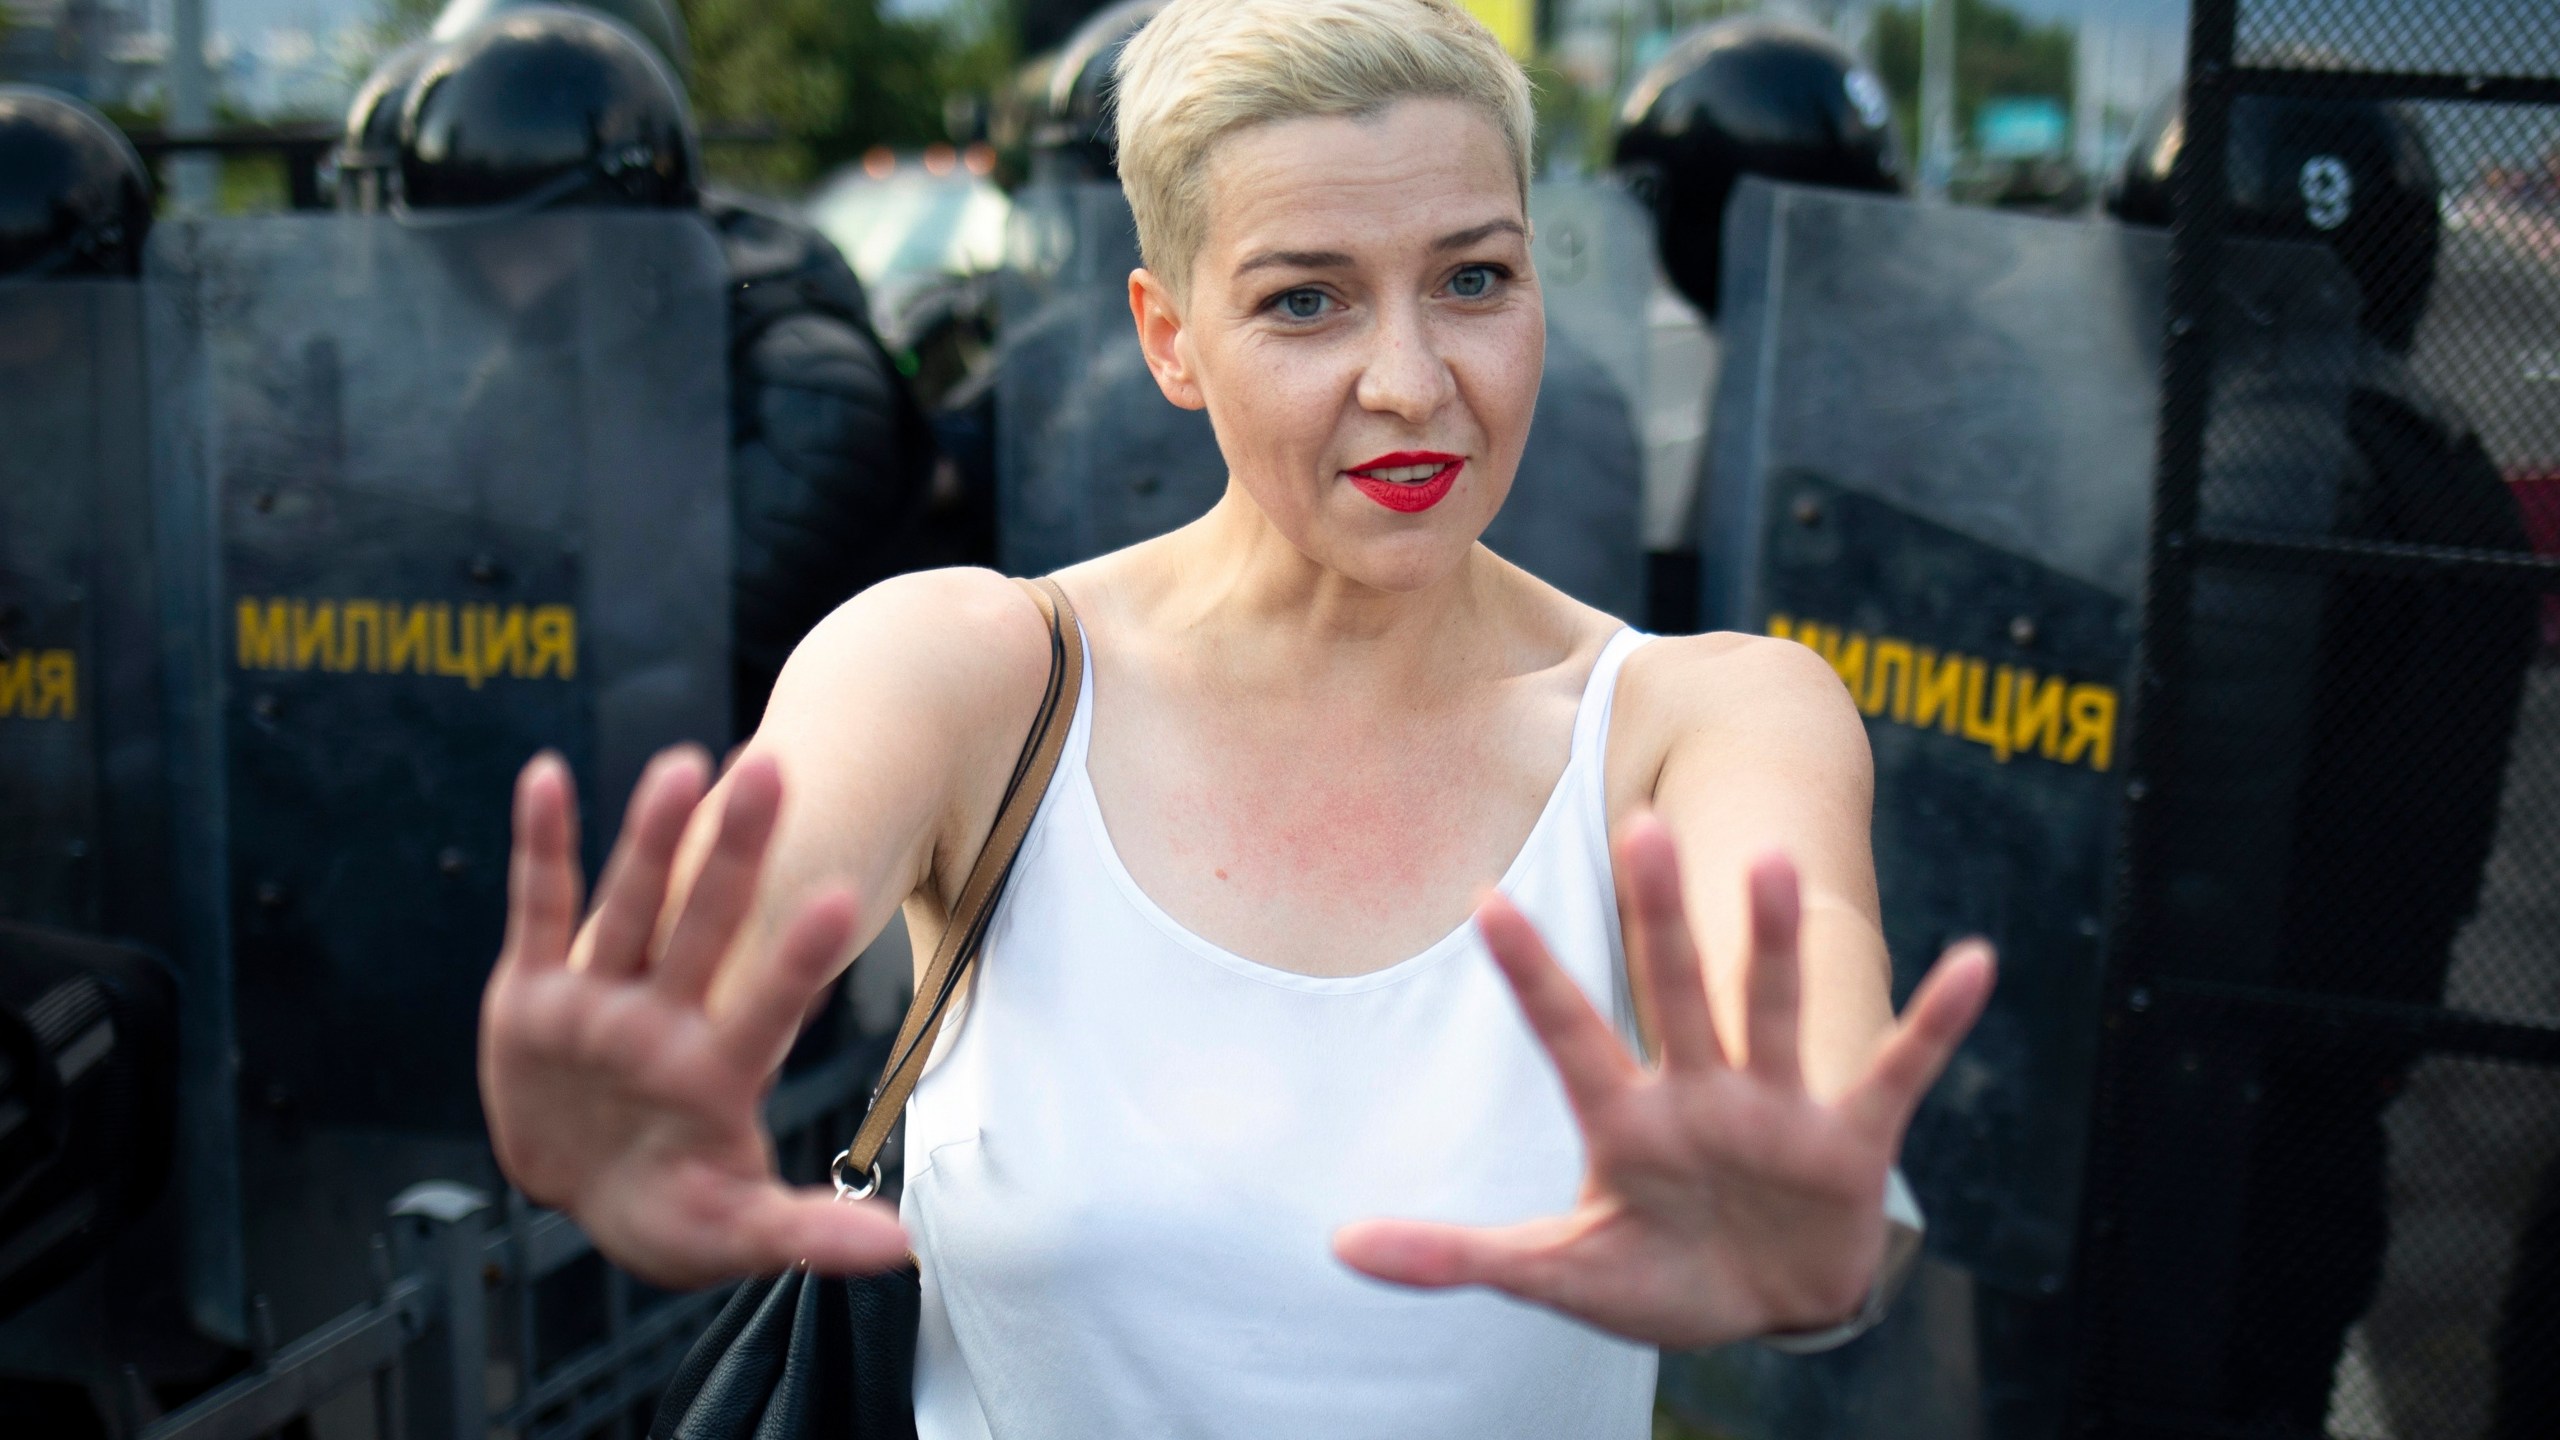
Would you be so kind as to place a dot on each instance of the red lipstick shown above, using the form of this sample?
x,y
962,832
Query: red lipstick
x,y
1407,495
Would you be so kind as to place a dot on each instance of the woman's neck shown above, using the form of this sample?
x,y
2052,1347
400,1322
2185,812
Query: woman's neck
x,y
1232,582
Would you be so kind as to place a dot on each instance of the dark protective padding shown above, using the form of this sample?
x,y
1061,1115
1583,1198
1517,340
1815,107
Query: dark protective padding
x,y
1932,463
831,459
430,500
84,843
1091,457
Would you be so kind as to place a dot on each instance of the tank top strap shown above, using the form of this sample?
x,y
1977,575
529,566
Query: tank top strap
x,y
1071,759
1591,721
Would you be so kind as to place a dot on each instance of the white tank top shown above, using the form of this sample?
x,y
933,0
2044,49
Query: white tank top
x,y
1124,1171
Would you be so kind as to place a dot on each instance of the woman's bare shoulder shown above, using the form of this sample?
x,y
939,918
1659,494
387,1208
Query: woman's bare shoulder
x,y
1736,685
910,694
963,642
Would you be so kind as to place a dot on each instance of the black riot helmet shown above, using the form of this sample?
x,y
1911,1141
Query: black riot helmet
x,y
544,105
2352,175
1747,97
1077,136
75,199
369,148
655,21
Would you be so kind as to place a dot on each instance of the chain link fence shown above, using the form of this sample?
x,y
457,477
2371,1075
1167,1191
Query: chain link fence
x,y
2324,1196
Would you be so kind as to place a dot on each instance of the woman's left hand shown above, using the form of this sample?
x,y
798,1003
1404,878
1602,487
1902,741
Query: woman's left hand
x,y
1723,1201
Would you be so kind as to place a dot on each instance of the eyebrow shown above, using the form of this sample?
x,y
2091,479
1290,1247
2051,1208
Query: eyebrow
x,y
1335,259
1460,240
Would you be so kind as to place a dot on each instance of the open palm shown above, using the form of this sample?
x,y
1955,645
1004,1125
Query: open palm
x,y
1723,1201
615,1090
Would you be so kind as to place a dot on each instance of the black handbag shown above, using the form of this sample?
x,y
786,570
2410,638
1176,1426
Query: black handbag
x,y
832,1356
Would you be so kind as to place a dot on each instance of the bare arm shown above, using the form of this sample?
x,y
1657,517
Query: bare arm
x,y
623,1060
1760,750
1734,1185
894,726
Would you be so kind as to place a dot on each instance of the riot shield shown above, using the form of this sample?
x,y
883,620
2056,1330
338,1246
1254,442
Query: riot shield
x,y
83,845
1932,463
429,499
1091,457
84,835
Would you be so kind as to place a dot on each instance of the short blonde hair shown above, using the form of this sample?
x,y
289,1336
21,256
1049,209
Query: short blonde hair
x,y
1203,69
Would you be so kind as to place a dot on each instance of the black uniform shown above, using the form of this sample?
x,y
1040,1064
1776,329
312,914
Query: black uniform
x,y
831,460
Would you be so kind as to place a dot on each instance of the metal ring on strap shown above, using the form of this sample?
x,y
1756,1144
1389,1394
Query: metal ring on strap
x,y
869,1187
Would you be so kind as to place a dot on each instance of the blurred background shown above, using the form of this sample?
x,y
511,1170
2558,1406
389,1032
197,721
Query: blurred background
x,y
2151,410
791,93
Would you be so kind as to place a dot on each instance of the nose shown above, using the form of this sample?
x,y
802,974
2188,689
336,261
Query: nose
x,y
1405,374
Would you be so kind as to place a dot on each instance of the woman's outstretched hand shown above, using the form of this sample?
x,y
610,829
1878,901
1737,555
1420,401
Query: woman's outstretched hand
x,y
615,1089
1723,1200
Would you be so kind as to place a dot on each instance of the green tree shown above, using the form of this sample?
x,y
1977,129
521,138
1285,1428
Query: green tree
x,y
1999,52
836,77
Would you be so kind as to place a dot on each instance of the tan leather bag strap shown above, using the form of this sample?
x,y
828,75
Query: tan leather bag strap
x,y
968,928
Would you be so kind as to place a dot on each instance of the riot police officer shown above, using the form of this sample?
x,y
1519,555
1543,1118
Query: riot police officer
x,y
75,199
2413,702
831,461
1747,96
1744,96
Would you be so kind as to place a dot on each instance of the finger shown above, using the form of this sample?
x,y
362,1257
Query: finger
x,y
783,1227
1941,1011
726,886
1588,1057
543,880
1771,991
1666,953
1522,1259
760,1024
634,889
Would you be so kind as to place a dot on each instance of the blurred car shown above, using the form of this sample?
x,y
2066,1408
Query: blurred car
x,y
923,231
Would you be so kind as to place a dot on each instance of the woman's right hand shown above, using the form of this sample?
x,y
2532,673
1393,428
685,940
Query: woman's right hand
x,y
617,1089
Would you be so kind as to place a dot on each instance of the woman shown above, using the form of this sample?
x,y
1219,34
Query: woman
x,y
1232,1003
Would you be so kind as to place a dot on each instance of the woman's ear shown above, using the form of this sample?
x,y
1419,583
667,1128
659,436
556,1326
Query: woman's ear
x,y
1160,334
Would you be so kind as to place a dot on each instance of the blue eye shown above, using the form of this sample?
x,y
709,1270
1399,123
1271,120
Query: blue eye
x,y
1302,304
1473,283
